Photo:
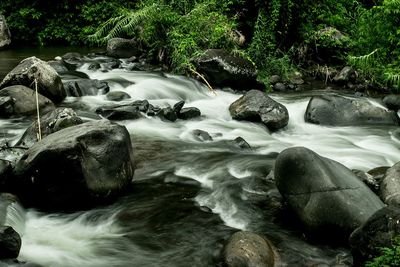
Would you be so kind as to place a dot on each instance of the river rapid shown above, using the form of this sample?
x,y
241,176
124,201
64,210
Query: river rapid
x,y
190,196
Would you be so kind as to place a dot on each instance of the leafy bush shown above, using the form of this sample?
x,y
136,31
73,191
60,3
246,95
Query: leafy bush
x,y
390,256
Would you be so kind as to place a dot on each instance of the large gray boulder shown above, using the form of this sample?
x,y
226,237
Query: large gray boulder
x,y
75,167
223,69
246,249
123,48
5,35
23,102
390,185
31,69
257,106
323,193
338,110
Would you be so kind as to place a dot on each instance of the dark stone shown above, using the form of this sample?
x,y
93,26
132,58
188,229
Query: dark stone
x,y
280,87
346,75
17,263
74,75
392,102
58,66
246,249
5,35
223,69
21,100
10,243
142,105
123,48
168,114
390,186
75,168
274,79
367,179
5,171
50,123
94,66
117,96
85,87
72,60
31,69
376,233
257,106
326,196
241,143
189,113
201,135
110,63
337,110
378,173
120,113
178,107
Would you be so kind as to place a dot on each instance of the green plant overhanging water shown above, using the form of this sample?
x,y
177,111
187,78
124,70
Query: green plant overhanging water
x,y
390,256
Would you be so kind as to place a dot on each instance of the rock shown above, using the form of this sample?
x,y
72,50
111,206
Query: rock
x,y
241,143
274,79
246,249
11,208
257,106
346,75
143,105
72,60
31,69
50,123
201,135
85,87
337,110
280,87
117,96
376,233
123,48
390,186
378,173
94,66
392,102
222,69
23,101
325,195
189,113
17,263
168,114
120,113
75,167
10,243
109,63
5,35
368,180
178,107
5,170
58,66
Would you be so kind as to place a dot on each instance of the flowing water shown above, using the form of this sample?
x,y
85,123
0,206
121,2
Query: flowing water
x,y
190,196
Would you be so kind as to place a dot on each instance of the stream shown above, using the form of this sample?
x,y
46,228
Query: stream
x,y
189,196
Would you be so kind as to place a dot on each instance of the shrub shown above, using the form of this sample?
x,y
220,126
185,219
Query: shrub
x,y
390,256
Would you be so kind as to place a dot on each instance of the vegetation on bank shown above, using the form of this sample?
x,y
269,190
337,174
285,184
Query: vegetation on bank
x,y
278,35
389,257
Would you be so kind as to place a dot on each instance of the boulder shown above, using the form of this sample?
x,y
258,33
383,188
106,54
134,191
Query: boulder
x,y
5,170
392,102
120,113
75,168
23,101
51,122
10,243
274,79
5,35
168,114
241,143
390,186
246,249
324,194
123,48
257,106
178,107
85,87
280,87
33,69
189,113
117,96
335,110
222,69
58,66
143,105
376,233
72,60
346,75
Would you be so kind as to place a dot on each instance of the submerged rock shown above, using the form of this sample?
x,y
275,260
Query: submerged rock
x,y
123,48
257,106
246,249
10,243
201,135
21,100
33,69
83,87
5,35
324,194
338,110
75,167
241,143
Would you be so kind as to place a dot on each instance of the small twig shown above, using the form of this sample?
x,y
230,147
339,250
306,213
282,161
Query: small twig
x,y
39,134
204,79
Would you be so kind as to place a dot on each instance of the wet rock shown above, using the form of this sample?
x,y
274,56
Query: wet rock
x,y
85,87
51,122
378,173
117,96
222,69
75,167
74,75
5,170
10,243
241,143
376,233
94,66
178,107
120,113
201,135
109,63
72,60
325,195
337,110
367,179
123,48
346,75
390,186
189,113
168,114
392,102
143,105
274,79
5,35
280,87
58,66
21,100
246,249
257,106
17,263
31,69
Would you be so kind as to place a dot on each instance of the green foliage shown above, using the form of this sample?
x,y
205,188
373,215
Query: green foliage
x,y
390,257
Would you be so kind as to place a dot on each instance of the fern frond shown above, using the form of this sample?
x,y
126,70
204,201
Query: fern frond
x,y
364,61
392,79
